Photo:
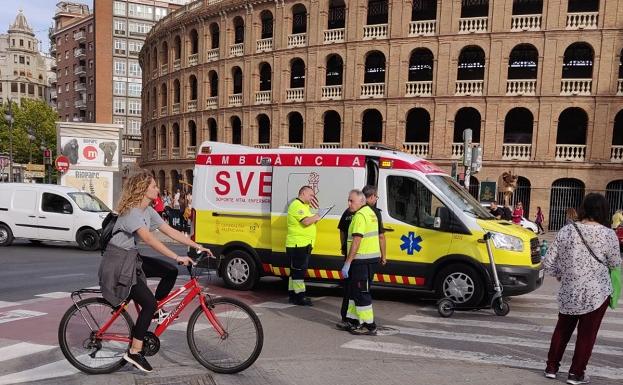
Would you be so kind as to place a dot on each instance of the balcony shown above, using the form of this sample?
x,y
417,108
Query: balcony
x,y
457,151
236,49
213,54
575,87
376,31
616,154
175,152
469,87
514,151
235,100
372,90
334,35
79,52
80,104
154,114
211,102
177,64
422,88
526,23
80,70
295,145
175,109
473,24
153,155
295,94
331,92
193,59
163,111
263,97
582,20
80,36
521,87
571,152
620,87
262,146
363,145
331,145
53,49
264,45
164,69
163,153
154,73
422,28
80,87
191,106
417,149
297,40
191,152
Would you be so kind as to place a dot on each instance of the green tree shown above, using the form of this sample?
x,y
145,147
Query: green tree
x,y
30,114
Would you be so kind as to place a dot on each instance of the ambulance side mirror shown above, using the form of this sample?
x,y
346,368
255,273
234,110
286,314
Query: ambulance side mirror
x,y
442,218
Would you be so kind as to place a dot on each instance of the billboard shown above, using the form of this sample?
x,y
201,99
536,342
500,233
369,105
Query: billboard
x,y
90,152
98,183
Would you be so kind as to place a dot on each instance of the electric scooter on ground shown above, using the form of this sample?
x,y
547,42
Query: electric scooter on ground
x,y
500,306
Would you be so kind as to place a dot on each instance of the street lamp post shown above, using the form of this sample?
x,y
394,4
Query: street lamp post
x,y
8,116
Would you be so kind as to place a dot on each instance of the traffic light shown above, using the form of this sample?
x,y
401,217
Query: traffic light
x,y
467,144
47,156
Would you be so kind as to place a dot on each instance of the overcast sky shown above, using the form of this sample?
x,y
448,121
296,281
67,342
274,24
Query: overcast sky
x,y
39,14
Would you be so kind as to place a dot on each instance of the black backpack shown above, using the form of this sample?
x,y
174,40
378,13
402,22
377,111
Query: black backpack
x,y
108,224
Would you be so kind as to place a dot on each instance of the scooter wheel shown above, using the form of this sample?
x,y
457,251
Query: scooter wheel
x,y
501,307
445,308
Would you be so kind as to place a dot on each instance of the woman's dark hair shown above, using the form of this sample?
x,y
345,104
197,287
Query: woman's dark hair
x,y
595,207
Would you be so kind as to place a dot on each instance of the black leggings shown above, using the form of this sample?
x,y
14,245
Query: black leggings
x,y
142,295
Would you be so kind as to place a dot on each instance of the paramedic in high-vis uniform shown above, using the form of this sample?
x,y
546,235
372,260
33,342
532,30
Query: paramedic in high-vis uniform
x,y
364,253
300,241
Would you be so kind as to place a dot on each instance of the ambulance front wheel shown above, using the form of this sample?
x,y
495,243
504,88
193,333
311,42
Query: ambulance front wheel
x,y
239,270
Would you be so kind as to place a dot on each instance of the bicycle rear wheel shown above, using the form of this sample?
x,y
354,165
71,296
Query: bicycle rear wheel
x,y
238,348
76,336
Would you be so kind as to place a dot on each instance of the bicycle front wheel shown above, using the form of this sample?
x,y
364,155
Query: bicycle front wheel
x,y
237,348
76,336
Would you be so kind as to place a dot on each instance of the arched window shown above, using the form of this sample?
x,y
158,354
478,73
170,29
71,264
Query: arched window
x,y
471,64
421,65
175,180
192,83
334,71
161,180
572,126
337,14
212,130
424,10
372,126
578,62
297,73
614,195
617,133
523,62
237,80
265,77
332,126
176,91
163,137
299,19
152,139
467,117
527,7
474,8
155,59
192,133
267,24
295,128
621,65
194,41
213,77
165,53
583,6
163,95
377,12
263,129
176,135
215,34
177,47
565,193
375,68
238,30
236,130
417,128
518,126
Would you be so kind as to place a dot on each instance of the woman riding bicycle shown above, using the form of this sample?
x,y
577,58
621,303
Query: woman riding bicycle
x,y
123,272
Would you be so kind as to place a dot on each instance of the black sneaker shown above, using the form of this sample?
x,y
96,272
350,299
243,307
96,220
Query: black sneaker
x,y
305,301
363,330
138,360
574,379
345,325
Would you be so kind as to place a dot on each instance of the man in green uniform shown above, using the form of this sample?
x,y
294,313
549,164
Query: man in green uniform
x,y
299,243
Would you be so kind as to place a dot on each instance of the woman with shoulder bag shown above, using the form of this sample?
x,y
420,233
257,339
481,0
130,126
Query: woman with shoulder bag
x,y
580,258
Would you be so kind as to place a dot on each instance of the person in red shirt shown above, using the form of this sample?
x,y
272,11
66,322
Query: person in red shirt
x,y
518,213
158,205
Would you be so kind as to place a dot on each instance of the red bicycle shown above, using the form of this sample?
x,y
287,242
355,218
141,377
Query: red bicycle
x,y
224,334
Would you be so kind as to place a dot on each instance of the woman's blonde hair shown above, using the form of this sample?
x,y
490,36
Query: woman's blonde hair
x,y
133,191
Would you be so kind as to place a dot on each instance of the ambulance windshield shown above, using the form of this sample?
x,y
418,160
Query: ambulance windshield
x,y
459,196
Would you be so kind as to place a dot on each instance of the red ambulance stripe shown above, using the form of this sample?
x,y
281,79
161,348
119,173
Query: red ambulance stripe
x,y
267,268
292,160
392,279
317,272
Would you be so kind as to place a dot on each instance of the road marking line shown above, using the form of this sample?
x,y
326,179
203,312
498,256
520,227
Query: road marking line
x,y
19,314
546,297
22,349
9,304
51,370
54,295
534,305
501,340
475,357
93,287
182,326
63,276
497,325
274,305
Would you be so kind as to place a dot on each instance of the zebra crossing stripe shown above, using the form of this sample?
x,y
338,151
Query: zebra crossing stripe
x,y
474,357
500,340
496,325
9,304
19,314
52,370
22,349
54,295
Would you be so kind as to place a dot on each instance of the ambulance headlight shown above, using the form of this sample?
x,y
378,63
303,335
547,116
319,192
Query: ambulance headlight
x,y
506,242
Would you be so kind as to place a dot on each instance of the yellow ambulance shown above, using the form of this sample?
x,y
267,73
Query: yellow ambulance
x,y
433,226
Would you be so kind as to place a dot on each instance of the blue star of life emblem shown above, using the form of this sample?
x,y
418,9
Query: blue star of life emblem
x,y
410,243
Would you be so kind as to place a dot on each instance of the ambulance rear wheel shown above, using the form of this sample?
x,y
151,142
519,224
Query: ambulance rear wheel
x,y
461,284
239,270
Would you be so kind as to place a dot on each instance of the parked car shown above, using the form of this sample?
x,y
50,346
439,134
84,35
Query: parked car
x,y
525,223
46,212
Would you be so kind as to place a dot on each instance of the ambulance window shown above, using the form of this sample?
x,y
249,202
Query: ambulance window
x,y
372,168
409,201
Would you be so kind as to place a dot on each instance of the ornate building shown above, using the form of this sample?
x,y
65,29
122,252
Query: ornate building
x,y
538,81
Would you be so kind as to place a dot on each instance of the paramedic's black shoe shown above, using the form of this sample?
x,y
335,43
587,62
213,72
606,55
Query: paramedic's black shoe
x,y
138,360
345,325
363,330
574,379
305,301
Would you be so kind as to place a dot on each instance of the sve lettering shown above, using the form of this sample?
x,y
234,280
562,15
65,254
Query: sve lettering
x,y
243,183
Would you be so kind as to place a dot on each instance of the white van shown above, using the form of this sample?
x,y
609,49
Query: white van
x,y
47,212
